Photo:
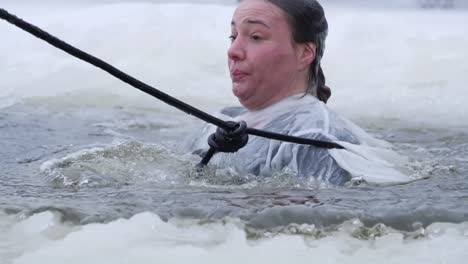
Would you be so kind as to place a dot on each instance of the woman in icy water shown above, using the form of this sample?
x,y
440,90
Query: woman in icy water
x,y
274,62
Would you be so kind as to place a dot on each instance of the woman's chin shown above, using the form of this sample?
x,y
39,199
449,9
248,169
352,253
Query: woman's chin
x,y
244,95
240,91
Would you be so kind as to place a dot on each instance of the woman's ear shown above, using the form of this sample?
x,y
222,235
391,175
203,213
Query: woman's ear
x,y
306,55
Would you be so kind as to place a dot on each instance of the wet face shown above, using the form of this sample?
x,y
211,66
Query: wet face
x,y
265,65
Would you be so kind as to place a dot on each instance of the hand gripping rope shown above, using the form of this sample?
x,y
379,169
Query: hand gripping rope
x,y
229,137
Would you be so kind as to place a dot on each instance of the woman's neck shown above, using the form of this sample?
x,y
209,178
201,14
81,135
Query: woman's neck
x,y
296,86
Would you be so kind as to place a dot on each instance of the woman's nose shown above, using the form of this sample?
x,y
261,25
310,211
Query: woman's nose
x,y
237,50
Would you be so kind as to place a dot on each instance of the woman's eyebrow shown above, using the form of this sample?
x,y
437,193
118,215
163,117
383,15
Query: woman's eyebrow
x,y
253,21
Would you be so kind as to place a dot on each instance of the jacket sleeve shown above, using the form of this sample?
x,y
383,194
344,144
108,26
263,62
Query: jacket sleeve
x,y
317,162
309,161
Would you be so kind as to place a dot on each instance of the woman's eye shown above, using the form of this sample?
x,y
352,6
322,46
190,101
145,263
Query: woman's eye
x,y
256,37
232,38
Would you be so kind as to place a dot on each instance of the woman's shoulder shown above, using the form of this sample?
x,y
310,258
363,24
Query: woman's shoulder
x,y
300,116
311,116
343,129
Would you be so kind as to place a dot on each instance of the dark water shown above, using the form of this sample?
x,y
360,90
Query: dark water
x,y
136,167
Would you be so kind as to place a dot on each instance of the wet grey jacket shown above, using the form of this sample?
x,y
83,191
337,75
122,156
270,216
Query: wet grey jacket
x,y
301,116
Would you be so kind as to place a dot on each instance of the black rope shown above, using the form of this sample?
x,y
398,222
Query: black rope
x,y
54,41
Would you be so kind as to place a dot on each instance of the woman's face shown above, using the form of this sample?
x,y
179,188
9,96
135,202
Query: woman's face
x,y
263,60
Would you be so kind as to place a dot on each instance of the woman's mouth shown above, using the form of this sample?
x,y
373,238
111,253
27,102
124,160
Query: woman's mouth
x,y
238,75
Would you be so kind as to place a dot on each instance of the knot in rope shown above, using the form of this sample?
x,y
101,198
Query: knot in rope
x,y
229,141
226,141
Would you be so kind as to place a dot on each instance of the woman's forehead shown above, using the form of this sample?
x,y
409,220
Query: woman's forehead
x,y
258,12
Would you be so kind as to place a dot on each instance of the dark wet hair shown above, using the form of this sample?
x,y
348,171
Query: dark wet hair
x,y
308,23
